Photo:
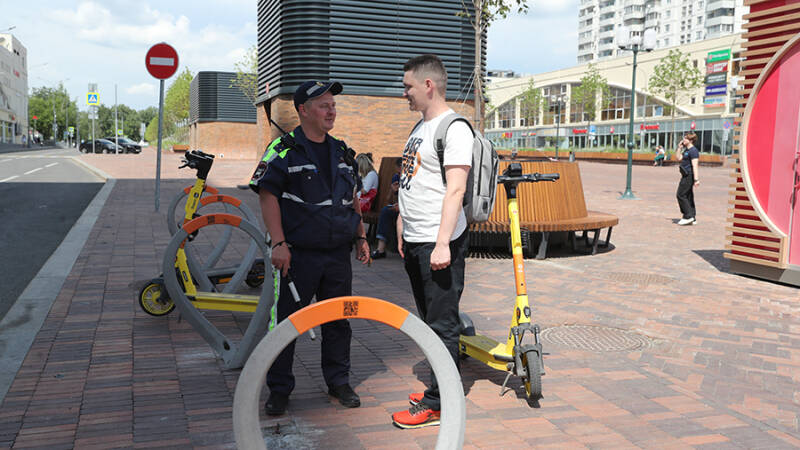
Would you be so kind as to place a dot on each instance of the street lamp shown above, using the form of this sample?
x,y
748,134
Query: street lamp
x,y
553,99
634,44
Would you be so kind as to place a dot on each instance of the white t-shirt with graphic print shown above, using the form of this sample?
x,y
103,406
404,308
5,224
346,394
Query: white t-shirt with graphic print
x,y
421,193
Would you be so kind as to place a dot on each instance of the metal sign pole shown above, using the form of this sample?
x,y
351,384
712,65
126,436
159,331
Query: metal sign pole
x,y
116,133
158,150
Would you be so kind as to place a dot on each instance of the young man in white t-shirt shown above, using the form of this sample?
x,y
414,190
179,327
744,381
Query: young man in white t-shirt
x,y
432,228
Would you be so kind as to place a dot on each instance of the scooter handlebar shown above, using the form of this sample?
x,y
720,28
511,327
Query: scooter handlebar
x,y
529,177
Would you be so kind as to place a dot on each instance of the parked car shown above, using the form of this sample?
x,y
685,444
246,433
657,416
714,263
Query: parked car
x,y
100,146
128,146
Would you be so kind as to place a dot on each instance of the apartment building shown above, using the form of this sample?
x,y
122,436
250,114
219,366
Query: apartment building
x,y
676,22
13,89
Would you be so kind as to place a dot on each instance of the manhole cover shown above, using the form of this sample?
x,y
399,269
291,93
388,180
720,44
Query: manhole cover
x,y
639,278
595,338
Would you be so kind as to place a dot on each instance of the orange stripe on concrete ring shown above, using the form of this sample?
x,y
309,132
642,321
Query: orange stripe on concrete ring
x,y
211,219
348,308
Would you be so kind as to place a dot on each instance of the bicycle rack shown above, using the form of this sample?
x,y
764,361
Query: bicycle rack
x,y
233,355
246,424
203,272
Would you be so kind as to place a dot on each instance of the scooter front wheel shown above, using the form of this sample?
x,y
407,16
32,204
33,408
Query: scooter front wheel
x,y
155,300
533,376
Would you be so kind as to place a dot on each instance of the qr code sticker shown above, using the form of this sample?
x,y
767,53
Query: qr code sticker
x,y
350,308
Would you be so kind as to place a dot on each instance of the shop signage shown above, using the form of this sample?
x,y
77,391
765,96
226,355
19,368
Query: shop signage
x,y
612,130
717,78
719,55
649,127
718,89
506,135
693,125
717,67
713,102
579,130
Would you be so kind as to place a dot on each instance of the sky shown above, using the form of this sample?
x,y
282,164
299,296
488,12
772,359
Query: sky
x,y
105,42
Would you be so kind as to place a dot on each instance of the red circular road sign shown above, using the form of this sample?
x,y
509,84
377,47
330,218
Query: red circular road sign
x,y
161,61
693,125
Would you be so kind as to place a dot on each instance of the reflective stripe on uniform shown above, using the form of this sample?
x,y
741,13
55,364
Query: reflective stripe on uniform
x,y
345,166
297,199
293,169
347,202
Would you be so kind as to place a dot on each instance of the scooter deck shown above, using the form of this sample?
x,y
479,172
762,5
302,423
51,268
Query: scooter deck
x,y
486,350
225,302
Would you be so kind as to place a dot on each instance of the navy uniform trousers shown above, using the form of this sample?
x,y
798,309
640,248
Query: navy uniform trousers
x,y
326,274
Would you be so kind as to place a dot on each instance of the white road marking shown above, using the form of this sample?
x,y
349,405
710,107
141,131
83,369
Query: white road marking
x,y
9,178
4,160
32,171
51,165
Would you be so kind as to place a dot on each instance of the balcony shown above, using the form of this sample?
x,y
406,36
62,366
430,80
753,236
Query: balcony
x,y
633,15
714,5
605,34
634,2
719,20
606,19
606,46
585,39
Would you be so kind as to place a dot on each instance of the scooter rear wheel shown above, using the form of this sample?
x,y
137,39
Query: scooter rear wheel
x,y
155,300
533,377
255,278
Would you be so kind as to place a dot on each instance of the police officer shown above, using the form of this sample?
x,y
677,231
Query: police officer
x,y
306,184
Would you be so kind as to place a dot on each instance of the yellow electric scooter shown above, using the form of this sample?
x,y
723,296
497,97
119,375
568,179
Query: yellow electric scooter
x,y
517,356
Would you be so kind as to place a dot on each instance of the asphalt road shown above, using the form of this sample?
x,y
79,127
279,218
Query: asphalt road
x,y
42,194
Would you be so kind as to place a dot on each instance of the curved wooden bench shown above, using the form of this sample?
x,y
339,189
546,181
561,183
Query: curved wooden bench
x,y
545,207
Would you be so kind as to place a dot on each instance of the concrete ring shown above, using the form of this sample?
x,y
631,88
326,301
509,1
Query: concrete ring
x,y
246,423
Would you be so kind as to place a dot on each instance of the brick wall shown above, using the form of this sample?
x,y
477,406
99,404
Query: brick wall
x,y
367,123
231,139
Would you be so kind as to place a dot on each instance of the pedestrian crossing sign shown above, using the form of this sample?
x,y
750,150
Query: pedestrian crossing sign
x,y
92,98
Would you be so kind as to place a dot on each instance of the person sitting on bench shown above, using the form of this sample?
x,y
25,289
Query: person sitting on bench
x,y
387,220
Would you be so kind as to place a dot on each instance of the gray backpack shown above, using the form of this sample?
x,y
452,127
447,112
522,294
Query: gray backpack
x,y
482,180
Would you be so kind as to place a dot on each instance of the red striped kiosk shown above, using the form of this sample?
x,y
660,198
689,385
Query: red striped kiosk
x,y
246,424
770,171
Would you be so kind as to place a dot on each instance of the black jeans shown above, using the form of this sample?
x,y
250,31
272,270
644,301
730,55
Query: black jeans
x,y
685,196
437,294
326,274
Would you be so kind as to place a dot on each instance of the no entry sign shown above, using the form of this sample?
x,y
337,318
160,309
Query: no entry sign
x,y
161,61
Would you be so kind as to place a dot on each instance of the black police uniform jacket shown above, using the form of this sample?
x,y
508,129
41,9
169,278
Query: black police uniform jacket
x,y
314,215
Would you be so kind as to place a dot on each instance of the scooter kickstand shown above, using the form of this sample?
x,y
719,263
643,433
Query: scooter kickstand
x,y
503,387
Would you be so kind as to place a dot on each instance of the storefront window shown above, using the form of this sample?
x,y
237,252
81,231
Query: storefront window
x,y
617,105
505,114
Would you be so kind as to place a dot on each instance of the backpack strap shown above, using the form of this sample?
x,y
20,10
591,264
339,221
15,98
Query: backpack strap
x,y
440,137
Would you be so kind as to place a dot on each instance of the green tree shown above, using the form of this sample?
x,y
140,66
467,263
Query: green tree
x,y
48,104
530,102
675,79
176,108
247,74
490,10
584,96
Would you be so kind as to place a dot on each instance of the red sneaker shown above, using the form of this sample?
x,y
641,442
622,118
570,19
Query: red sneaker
x,y
415,397
418,416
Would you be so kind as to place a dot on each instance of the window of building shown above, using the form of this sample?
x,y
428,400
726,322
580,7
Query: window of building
x,y
666,28
700,20
617,105
669,13
694,99
694,63
699,35
505,114
666,42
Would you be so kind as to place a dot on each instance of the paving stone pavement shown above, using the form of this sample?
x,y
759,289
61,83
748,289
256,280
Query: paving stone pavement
x,y
714,358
